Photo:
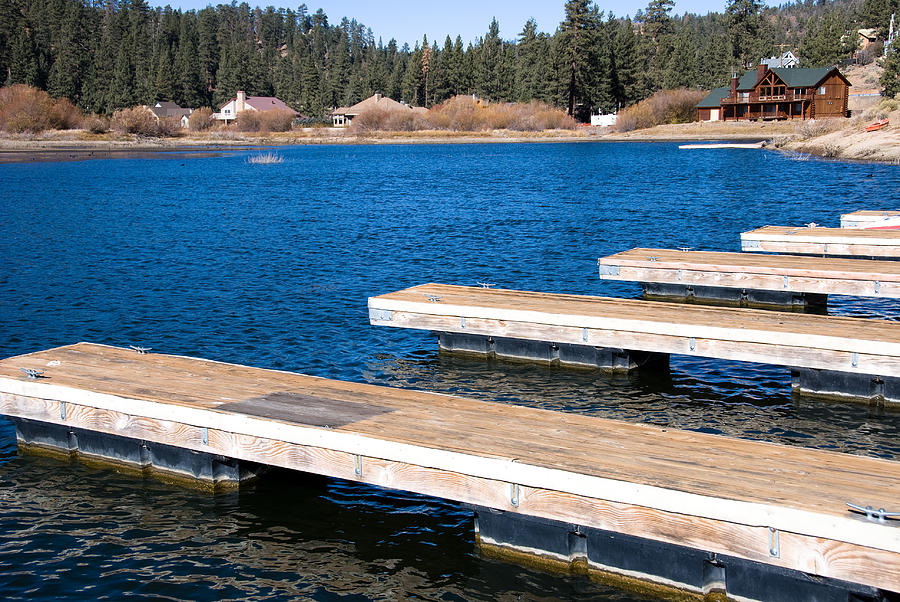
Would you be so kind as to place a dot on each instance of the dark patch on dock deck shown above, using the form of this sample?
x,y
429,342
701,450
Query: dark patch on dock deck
x,y
306,409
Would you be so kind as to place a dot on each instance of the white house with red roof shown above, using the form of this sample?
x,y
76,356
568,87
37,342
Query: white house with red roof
x,y
242,102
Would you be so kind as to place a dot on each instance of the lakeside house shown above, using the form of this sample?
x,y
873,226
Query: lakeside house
x,y
779,93
165,109
343,116
787,59
241,102
867,37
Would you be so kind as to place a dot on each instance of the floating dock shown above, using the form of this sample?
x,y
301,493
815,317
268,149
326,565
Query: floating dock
x,y
868,219
718,145
695,512
830,356
823,241
750,279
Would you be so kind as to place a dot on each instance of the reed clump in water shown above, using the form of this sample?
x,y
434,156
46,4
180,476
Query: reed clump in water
x,y
265,159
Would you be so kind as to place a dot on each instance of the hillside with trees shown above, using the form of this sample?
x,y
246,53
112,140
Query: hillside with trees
x,y
110,54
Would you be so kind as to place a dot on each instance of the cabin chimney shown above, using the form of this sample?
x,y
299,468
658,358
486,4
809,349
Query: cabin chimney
x,y
761,71
241,102
377,96
734,83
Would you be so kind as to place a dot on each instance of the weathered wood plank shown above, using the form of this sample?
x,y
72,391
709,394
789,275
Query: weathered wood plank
x,y
822,241
791,273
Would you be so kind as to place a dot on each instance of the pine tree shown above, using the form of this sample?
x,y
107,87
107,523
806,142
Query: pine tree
x,y
877,14
311,83
717,64
208,52
412,84
890,77
70,55
490,58
656,44
683,70
427,64
190,90
743,21
23,66
531,64
822,43
657,20
576,38
626,66
164,83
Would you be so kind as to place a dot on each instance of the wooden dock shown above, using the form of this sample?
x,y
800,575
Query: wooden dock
x,y
866,218
573,324
823,241
782,273
751,502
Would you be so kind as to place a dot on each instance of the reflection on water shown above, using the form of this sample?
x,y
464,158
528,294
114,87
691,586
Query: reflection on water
x,y
74,531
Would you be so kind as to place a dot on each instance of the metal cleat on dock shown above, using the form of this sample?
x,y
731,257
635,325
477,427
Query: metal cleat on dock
x,y
878,516
433,298
32,373
140,349
486,284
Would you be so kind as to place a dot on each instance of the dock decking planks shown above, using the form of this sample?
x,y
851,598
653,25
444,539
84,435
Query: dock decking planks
x,y
800,340
823,241
706,491
790,273
864,218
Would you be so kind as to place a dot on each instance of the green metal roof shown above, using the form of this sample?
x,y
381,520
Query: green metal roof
x,y
712,101
793,77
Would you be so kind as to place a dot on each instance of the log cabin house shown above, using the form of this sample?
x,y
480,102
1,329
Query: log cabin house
x,y
780,93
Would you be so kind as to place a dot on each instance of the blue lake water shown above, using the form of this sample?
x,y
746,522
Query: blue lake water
x,y
271,265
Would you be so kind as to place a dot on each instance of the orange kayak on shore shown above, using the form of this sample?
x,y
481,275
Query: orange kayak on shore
x,y
877,125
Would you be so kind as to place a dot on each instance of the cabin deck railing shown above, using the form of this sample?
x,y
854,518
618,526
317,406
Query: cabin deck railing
x,y
752,97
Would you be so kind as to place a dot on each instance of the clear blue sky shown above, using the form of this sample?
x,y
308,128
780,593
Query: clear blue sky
x,y
407,21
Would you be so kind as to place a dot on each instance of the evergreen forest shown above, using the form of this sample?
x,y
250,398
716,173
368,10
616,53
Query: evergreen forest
x,y
108,54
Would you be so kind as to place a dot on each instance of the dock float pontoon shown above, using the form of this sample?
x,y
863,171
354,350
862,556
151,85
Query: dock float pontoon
x,y
697,512
823,241
830,356
750,279
869,219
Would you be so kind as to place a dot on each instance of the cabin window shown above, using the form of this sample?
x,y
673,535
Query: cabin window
x,y
227,111
822,91
800,91
744,95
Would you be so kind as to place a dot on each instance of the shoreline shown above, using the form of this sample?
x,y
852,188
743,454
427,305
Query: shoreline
x,y
841,143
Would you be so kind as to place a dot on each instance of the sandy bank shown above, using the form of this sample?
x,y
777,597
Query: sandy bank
x,y
840,139
852,141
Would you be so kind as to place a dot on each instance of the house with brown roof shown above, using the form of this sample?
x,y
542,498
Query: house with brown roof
x,y
779,93
343,116
241,102
165,109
